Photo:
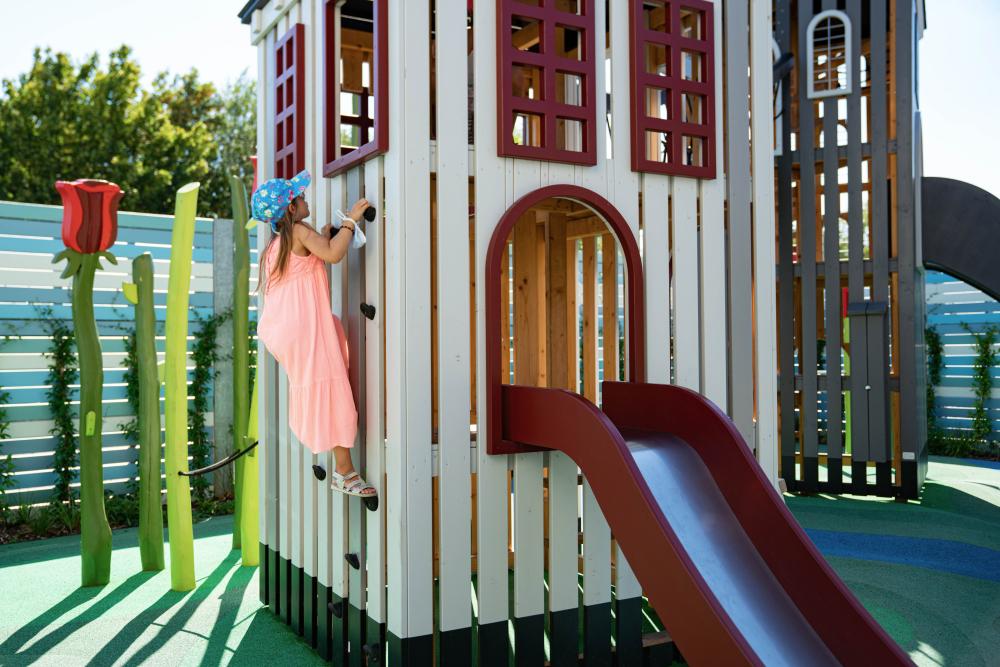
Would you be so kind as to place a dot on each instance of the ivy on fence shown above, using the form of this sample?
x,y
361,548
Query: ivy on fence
x,y
935,364
63,372
982,379
6,462
130,429
205,354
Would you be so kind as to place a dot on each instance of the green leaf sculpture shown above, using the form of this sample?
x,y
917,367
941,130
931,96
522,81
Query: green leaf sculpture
x,y
175,377
245,527
140,293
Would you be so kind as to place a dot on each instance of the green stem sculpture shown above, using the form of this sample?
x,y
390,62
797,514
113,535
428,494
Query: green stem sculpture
x,y
245,529
95,533
241,362
89,228
175,377
140,293
250,528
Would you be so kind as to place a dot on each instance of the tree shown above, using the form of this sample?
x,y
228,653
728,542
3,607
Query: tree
x,y
61,121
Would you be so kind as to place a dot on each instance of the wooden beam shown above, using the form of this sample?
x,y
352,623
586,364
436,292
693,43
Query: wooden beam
x,y
590,318
609,301
505,314
557,345
541,302
526,326
572,324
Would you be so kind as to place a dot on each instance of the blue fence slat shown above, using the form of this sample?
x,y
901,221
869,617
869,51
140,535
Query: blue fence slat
x,y
63,296
124,248
102,312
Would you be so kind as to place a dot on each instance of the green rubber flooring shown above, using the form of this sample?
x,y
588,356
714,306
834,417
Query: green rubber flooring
x,y
929,572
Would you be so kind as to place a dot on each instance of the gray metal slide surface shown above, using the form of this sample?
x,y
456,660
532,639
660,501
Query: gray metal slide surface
x,y
723,554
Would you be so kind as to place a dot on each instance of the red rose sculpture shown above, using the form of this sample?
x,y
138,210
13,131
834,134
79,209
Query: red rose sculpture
x,y
90,214
90,225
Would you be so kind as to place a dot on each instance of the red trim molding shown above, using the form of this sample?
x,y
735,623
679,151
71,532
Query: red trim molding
x,y
676,128
545,105
634,299
290,103
336,164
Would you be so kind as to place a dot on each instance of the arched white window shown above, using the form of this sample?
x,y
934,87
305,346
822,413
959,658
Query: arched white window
x,y
829,54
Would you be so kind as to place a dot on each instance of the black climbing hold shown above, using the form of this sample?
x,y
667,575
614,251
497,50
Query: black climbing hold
x,y
371,502
368,311
337,609
352,560
319,472
370,214
371,653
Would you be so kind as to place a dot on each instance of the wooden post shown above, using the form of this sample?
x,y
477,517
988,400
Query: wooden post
x,y
590,318
609,301
558,334
222,300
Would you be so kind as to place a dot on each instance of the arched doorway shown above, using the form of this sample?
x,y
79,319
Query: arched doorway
x,y
961,232
579,200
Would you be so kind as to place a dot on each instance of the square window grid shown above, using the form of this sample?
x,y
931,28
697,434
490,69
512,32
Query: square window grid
x,y
673,87
546,93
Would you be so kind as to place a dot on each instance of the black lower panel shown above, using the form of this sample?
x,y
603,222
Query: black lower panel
x,y
597,635
410,652
910,475
788,472
658,655
628,632
375,648
309,593
262,578
455,648
529,640
285,589
810,474
324,622
859,477
356,622
272,582
493,644
883,478
564,638
338,630
835,473
296,620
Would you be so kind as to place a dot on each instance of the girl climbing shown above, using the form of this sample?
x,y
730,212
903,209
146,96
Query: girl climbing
x,y
298,328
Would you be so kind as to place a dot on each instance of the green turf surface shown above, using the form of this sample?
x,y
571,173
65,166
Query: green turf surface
x,y
939,617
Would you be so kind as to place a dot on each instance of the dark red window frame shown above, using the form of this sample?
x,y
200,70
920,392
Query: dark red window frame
x,y
290,103
334,164
547,107
676,86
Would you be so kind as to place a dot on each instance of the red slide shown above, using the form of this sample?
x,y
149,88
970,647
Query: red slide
x,y
728,569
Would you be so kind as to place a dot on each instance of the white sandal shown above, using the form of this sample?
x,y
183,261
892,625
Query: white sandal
x,y
351,484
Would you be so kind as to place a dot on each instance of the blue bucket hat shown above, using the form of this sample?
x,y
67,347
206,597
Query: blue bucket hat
x,y
271,198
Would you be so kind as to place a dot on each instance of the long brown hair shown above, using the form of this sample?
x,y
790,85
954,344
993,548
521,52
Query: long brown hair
x,y
285,226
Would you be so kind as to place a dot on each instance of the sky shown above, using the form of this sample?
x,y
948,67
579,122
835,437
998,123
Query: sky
x,y
959,81
174,36
960,91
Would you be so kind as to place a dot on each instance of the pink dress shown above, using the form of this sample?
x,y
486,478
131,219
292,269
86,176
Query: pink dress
x,y
306,338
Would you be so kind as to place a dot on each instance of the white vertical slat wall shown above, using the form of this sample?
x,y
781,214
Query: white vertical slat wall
x,y
765,280
491,203
408,371
374,392
680,217
453,320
